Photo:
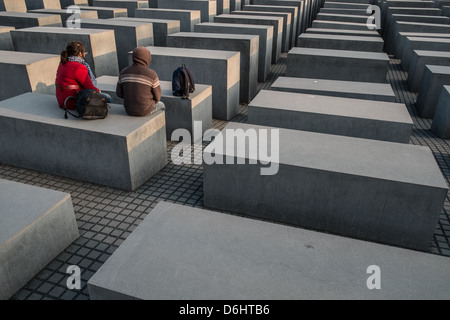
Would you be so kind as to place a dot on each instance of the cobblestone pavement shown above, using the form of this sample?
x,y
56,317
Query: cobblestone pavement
x,y
106,216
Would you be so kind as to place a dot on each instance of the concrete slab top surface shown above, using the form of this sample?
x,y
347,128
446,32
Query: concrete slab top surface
x,y
439,69
360,32
24,58
355,156
427,53
25,14
149,20
44,108
341,15
179,252
195,53
423,24
223,36
435,40
195,12
236,25
115,22
61,30
339,23
341,37
424,35
345,107
341,53
335,85
21,204
249,16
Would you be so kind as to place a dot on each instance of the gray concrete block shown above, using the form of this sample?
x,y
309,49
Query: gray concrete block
x,y
68,3
345,5
422,43
335,88
208,8
188,18
205,65
128,35
28,72
416,11
337,65
223,6
20,20
340,42
357,118
247,45
180,113
13,5
392,36
43,4
5,38
342,18
299,4
433,79
37,224
441,119
255,20
265,34
119,151
224,257
345,11
419,59
323,24
371,190
100,44
130,5
292,10
65,15
344,32
161,28
401,38
235,5
107,13
442,3
404,26
287,24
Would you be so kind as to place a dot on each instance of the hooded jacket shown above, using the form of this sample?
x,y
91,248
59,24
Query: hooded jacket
x,y
139,85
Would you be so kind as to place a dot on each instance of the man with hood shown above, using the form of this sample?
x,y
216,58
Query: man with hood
x,y
139,86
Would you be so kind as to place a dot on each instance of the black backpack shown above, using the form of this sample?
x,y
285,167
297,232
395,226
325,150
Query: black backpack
x,y
183,82
90,105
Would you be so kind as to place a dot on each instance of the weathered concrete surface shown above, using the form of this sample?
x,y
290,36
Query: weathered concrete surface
x,y
358,118
373,190
27,72
100,44
337,65
36,225
224,257
33,121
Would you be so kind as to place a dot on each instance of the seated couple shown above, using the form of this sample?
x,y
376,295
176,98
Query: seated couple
x,y
138,85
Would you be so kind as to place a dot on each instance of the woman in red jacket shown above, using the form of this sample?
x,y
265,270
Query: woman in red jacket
x,y
73,75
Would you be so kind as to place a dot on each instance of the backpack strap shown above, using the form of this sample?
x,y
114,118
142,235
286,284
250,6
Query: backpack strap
x,y
65,108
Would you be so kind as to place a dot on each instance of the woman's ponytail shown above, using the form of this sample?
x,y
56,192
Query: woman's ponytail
x,y
64,56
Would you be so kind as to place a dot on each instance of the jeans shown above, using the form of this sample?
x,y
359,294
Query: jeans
x,y
107,97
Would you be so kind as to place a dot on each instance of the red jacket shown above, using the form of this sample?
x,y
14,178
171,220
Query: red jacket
x,y
71,74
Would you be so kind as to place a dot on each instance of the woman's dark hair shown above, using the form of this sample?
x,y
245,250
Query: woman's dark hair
x,y
73,49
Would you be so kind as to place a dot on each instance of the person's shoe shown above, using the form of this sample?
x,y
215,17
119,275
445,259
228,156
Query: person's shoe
x,y
159,106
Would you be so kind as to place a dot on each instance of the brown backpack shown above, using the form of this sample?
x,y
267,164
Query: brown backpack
x,y
90,105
